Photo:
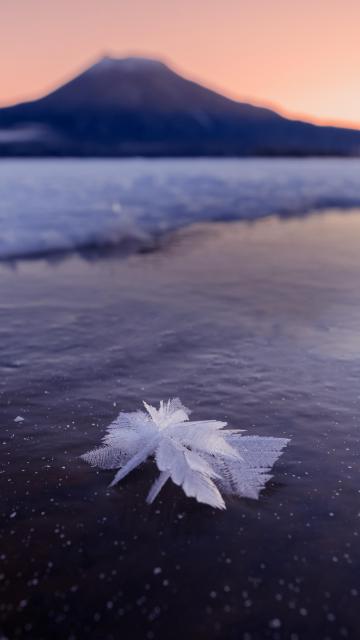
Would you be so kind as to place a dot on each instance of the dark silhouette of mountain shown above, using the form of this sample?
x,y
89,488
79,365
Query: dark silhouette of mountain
x,y
137,106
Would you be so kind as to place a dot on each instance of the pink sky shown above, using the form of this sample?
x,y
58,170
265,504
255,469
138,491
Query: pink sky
x,y
303,57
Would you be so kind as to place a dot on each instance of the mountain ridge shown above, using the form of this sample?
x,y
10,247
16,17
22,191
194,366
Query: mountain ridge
x,y
141,106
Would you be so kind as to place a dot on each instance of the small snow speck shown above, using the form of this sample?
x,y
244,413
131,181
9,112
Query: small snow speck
x,y
157,570
275,623
13,514
19,419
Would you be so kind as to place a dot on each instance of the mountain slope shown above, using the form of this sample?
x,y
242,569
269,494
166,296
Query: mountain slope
x,y
137,106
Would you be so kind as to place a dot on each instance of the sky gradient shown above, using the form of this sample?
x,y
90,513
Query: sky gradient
x,y
302,57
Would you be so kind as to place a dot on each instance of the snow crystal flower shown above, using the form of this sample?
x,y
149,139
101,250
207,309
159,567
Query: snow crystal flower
x,y
199,456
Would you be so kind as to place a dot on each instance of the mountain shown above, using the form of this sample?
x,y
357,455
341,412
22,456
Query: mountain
x,y
137,106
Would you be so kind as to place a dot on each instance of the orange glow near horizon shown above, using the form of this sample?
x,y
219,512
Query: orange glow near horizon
x,y
300,57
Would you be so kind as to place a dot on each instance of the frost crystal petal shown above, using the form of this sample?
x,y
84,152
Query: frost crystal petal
x,y
105,457
170,412
248,476
186,471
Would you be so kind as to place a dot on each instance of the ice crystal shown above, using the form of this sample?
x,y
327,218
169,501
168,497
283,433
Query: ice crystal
x,y
199,456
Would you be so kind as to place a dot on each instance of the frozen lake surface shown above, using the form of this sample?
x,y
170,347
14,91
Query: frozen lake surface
x,y
256,324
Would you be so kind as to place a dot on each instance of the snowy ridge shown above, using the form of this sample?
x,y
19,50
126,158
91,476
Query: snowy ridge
x,y
66,205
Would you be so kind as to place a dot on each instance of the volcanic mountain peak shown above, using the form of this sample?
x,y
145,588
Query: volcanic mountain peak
x,y
134,83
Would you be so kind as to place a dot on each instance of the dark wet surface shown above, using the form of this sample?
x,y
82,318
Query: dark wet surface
x,y
258,325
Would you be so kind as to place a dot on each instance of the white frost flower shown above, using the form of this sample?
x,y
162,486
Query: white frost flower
x,y
199,456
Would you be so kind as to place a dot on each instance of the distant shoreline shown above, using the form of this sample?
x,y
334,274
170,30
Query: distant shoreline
x,y
160,156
